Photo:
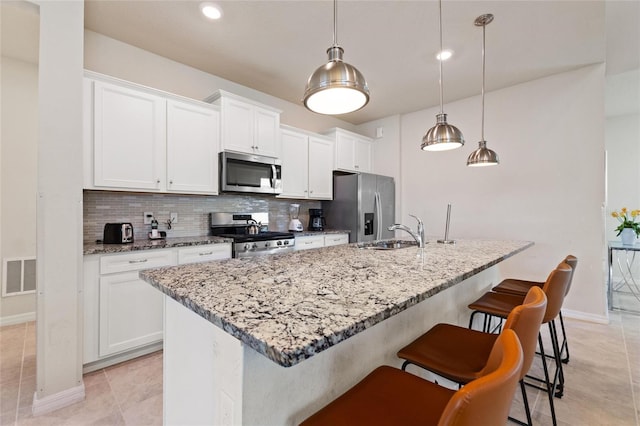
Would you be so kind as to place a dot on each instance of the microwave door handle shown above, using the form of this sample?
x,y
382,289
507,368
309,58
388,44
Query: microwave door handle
x,y
274,175
379,216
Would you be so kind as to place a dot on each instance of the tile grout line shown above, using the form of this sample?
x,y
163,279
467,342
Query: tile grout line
x,y
626,351
24,345
104,371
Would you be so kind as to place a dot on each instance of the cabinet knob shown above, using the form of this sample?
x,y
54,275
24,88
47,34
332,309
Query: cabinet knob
x,y
171,182
311,192
158,180
357,167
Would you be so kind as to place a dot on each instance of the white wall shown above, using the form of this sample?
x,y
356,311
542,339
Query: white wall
x,y
549,187
18,146
112,57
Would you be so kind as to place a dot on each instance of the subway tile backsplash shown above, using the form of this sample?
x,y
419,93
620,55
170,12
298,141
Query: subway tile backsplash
x,y
102,207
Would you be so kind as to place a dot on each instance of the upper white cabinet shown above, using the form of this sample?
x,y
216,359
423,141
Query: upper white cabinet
x,y
136,138
192,148
128,137
352,152
307,165
247,126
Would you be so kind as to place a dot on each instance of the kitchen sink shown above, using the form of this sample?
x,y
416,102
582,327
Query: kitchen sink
x,y
386,245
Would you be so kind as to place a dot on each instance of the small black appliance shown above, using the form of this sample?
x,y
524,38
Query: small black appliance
x,y
316,220
117,233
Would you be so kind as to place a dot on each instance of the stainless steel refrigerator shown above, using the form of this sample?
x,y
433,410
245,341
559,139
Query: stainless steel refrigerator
x,y
362,203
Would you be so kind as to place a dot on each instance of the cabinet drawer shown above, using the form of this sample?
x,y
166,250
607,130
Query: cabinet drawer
x,y
204,253
336,239
311,242
136,261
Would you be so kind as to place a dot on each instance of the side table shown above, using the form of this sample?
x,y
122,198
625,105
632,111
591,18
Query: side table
x,y
627,282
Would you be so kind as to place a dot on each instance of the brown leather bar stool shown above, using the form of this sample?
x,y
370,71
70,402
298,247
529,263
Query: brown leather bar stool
x,y
500,305
459,354
389,396
520,288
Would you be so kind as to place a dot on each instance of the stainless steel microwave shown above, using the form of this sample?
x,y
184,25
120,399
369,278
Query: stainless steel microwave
x,y
250,173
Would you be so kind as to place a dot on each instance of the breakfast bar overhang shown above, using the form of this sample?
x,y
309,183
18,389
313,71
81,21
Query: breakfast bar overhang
x,y
268,341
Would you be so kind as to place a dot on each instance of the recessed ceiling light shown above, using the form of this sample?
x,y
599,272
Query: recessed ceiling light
x,y
211,10
444,55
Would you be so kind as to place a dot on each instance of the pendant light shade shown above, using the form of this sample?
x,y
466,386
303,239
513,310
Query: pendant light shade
x,y
336,87
443,136
483,156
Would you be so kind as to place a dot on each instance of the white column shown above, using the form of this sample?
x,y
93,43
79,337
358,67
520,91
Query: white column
x,y
59,207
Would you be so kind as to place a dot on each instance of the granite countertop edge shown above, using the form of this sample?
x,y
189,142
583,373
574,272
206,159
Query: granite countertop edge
x,y
139,245
288,358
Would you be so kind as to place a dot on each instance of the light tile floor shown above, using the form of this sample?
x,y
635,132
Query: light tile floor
x,y
602,382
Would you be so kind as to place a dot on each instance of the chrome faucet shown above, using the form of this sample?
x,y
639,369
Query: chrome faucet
x,y
418,236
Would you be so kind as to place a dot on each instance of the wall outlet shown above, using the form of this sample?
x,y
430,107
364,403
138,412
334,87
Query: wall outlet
x,y
174,217
147,217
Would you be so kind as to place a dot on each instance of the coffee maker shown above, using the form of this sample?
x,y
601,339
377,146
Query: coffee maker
x,y
316,220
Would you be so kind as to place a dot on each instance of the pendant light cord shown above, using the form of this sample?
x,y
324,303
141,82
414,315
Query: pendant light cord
x,y
335,23
440,60
484,27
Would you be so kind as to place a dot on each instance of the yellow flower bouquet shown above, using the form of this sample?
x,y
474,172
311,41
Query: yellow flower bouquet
x,y
627,220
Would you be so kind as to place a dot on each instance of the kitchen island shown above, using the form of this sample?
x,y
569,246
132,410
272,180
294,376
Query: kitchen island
x,y
270,340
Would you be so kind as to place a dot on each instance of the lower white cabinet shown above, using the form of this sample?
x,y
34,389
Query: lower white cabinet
x,y
306,242
124,315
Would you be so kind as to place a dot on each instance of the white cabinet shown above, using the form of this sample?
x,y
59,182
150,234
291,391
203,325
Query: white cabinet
x,y
205,253
128,137
123,315
309,242
192,148
352,152
335,239
247,126
130,310
307,165
306,242
137,138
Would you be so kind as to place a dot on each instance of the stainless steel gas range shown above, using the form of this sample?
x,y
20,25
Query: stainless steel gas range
x,y
250,234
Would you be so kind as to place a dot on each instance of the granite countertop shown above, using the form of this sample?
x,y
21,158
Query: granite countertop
x,y
147,244
325,232
289,307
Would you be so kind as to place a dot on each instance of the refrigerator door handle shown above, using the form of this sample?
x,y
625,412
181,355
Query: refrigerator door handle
x,y
378,216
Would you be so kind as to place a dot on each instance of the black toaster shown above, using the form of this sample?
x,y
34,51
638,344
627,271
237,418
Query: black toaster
x,y
117,233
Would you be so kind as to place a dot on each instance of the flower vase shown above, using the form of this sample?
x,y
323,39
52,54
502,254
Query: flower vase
x,y
628,236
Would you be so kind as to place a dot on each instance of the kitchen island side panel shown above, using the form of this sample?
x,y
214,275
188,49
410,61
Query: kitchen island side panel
x,y
212,378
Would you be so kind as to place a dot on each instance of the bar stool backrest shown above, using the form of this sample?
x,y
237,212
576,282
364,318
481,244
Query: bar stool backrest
x,y
555,288
525,320
573,262
487,400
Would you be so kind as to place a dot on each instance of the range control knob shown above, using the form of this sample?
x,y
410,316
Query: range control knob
x,y
286,242
254,246
266,244
247,247
279,243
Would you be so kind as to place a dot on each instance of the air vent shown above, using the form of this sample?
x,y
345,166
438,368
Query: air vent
x,y
19,276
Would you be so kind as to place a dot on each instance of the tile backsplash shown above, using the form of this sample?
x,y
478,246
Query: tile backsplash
x,y
101,207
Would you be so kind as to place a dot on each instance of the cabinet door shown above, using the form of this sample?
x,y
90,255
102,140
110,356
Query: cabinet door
x,y
267,132
192,148
309,242
320,168
237,126
345,152
362,156
335,239
204,253
131,313
294,164
128,138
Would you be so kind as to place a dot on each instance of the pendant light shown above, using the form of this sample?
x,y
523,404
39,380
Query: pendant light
x,y
442,136
483,156
336,87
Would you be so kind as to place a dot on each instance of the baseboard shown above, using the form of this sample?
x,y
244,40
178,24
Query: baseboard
x,y
17,319
57,400
583,316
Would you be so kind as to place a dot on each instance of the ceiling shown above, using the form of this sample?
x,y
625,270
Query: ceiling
x,y
273,46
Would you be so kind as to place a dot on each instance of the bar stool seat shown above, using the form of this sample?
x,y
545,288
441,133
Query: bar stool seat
x,y
515,286
496,304
389,396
